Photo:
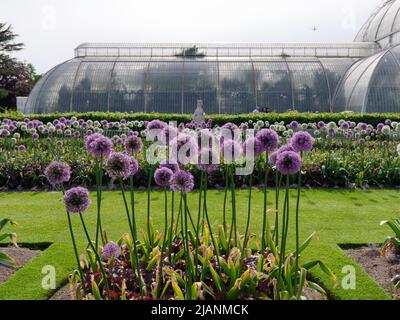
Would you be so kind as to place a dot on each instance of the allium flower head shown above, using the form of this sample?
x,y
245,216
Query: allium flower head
x,y
111,251
163,177
134,166
272,158
231,150
294,125
269,139
208,160
184,148
174,167
57,172
21,148
119,165
99,145
252,148
288,162
302,142
133,144
182,181
77,200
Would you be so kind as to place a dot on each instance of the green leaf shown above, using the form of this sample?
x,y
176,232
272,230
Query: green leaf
x,y
178,292
305,244
96,291
394,226
217,280
7,261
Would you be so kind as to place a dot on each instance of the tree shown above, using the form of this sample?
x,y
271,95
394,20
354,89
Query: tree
x,y
16,78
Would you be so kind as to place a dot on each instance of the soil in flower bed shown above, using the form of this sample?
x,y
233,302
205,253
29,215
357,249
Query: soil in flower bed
x,y
377,266
62,294
21,255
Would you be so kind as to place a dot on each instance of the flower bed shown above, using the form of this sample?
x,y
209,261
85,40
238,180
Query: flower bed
x,y
190,258
346,154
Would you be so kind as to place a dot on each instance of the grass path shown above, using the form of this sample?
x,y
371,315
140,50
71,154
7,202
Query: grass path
x,y
338,217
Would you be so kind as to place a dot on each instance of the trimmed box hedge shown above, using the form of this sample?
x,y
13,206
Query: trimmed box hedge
x,y
370,118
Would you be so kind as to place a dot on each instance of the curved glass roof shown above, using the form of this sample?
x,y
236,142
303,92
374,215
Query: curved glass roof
x,y
174,84
371,84
383,26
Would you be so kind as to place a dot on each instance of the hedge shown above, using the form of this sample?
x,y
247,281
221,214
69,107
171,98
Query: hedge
x,y
370,118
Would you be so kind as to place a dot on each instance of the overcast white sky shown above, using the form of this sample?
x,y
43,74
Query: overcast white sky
x,y
51,29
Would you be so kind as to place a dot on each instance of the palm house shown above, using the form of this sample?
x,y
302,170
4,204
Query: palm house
x,y
363,76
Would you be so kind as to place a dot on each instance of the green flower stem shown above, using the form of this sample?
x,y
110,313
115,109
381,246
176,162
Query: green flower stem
x,y
171,230
297,226
150,235
225,196
99,182
71,231
285,220
96,254
215,244
233,196
265,223
187,247
246,235
132,190
278,182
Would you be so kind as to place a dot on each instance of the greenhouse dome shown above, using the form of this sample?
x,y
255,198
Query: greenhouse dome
x,y
372,84
383,26
230,78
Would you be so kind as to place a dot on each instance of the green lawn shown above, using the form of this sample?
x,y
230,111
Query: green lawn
x,y
338,217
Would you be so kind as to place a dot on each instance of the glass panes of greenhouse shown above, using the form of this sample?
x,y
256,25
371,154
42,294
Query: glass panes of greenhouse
x,y
310,87
127,92
200,83
387,24
384,95
236,85
91,86
358,96
164,87
274,89
58,88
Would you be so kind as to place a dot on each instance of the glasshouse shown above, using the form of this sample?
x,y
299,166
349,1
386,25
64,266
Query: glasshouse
x,y
230,78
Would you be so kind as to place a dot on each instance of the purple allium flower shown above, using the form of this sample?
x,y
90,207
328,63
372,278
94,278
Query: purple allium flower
x,y
134,166
363,126
119,165
182,181
5,133
302,142
388,122
21,148
206,139
229,131
294,125
321,125
169,133
361,141
269,139
100,146
57,172
345,125
35,136
133,144
163,177
155,124
184,149
77,200
272,158
332,133
174,167
288,162
207,160
252,148
286,147
231,151
379,127
111,251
